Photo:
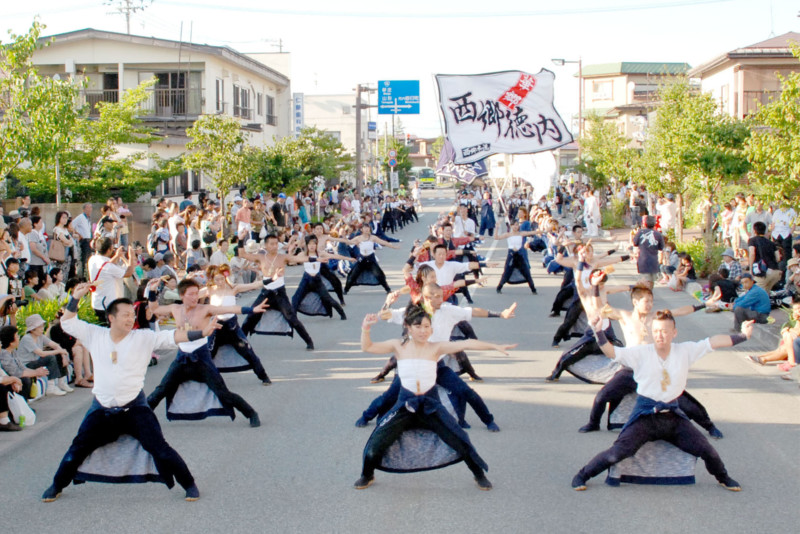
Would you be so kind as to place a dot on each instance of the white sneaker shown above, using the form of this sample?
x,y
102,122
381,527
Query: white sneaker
x,y
64,386
54,391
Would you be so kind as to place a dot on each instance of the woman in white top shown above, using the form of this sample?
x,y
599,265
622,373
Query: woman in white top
x,y
313,284
516,270
367,264
418,405
221,292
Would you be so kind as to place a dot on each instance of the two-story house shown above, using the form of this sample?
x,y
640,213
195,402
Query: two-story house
x,y
624,92
742,79
192,80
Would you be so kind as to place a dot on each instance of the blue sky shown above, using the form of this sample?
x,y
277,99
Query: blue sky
x,y
334,46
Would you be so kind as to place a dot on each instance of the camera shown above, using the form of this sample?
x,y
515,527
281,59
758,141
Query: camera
x,y
20,302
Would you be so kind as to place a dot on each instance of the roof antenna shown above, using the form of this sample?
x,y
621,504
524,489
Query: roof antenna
x,y
771,19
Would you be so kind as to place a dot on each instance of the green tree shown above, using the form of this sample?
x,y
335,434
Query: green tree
x,y
774,146
694,148
92,164
606,153
293,163
37,112
219,148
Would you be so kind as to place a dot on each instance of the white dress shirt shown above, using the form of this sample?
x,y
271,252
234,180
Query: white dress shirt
x,y
117,384
443,321
648,367
82,226
448,271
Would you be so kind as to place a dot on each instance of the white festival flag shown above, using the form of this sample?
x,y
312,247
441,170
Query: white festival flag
x,y
508,112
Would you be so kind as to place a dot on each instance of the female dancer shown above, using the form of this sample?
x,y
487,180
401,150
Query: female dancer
x,y
325,271
517,270
418,404
312,282
222,293
367,264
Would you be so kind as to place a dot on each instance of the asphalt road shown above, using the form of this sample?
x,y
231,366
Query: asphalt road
x,y
295,472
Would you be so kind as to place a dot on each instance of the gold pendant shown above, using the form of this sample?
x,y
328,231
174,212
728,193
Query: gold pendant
x,y
113,356
665,381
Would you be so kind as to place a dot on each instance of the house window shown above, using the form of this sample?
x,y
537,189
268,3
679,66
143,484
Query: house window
x,y
603,90
236,102
246,111
260,104
271,119
220,96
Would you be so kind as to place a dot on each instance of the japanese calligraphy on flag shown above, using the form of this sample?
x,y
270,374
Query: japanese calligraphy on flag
x,y
509,112
446,168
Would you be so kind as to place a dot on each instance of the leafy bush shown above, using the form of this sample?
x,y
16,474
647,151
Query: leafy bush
x,y
48,309
703,265
613,216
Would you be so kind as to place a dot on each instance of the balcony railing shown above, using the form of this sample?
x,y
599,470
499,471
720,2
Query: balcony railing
x,y
244,113
272,120
754,99
160,102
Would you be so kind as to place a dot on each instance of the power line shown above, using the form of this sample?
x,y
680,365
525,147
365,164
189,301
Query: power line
x,y
450,14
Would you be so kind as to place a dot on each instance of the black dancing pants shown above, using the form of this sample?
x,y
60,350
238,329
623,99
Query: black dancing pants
x,y
231,334
277,300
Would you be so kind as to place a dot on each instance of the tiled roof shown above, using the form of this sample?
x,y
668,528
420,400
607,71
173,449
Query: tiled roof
x,y
630,67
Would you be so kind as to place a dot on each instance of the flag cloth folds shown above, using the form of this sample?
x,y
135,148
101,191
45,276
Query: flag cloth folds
x,y
509,112
463,173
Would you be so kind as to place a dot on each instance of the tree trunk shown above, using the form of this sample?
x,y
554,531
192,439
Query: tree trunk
x,y
679,219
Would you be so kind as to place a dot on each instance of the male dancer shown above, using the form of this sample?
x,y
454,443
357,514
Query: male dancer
x,y
120,356
193,361
445,317
636,326
660,370
273,265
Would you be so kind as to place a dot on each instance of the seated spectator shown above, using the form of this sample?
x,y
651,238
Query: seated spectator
x,y
763,257
8,310
789,347
81,359
194,254
733,266
683,274
8,384
669,262
753,305
13,366
32,286
791,286
33,353
723,290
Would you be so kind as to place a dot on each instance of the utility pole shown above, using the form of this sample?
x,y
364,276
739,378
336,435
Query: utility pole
x,y
127,8
359,106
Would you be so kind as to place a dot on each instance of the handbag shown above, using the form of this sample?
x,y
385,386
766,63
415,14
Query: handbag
x,y
57,252
759,268
19,408
209,237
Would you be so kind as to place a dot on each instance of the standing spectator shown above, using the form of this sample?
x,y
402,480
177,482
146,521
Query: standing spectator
x,y
783,223
278,214
738,226
221,255
63,237
758,214
186,202
649,242
753,305
487,216
258,218
242,221
726,222
83,226
591,214
39,259
668,209
763,256
106,276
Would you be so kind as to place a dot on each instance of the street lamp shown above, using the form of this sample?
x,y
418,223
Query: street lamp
x,y
561,63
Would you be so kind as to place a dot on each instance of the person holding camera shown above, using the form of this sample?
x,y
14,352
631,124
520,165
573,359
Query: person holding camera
x,y
106,275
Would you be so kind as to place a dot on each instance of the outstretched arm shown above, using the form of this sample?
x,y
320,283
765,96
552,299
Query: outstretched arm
x,y
367,345
607,348
450,347
722,341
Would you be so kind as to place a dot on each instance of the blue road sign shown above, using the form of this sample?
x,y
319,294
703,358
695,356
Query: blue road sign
x,y
398,97
372,126
392,163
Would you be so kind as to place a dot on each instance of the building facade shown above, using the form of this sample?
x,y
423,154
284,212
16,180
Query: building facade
x,y
743,79
191,80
